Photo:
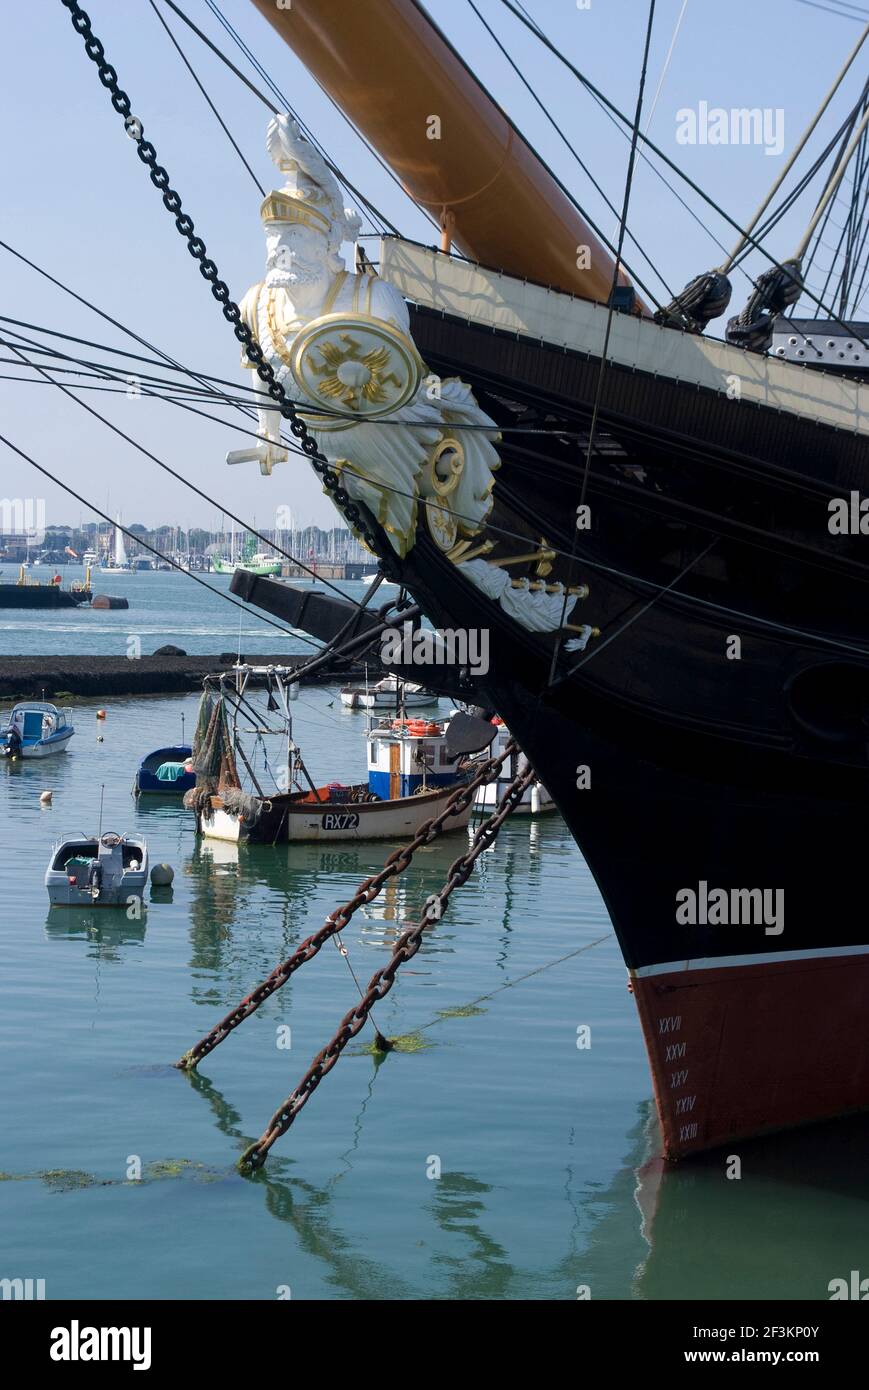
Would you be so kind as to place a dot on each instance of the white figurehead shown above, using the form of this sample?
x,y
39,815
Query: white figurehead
x,y
340,345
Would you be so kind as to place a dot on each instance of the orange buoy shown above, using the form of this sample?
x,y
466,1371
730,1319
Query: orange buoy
x,y
101,714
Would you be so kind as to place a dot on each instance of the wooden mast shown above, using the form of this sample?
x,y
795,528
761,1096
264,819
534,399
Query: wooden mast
x,y
398,79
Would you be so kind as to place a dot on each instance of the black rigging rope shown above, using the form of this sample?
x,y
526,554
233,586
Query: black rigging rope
x,y
645,158
364,202
250,612
172,362
350,647
280,96
516,462
173,472
224,127
842,13
535,29
88,304
558,130
775,216
629,179
112,373
138,357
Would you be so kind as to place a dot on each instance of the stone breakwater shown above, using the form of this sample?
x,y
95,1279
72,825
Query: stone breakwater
x,y
26,677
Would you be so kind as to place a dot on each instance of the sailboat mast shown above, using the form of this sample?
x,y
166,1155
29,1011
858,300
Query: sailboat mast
x,y
120,551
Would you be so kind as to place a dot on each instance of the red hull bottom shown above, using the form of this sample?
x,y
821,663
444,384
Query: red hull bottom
x,y
754,1045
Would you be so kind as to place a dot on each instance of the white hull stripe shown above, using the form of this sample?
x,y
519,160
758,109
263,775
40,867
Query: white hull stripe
x,y
674,967
489,297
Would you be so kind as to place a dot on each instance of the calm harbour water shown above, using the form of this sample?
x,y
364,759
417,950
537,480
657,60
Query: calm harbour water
x,y
548,1180
165,607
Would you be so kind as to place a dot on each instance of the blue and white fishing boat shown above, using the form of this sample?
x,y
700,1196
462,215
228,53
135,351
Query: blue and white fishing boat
x,y
164,772
35,729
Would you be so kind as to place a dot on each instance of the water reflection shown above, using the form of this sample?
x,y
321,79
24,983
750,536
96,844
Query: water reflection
x,y
232,887
458,1205
107,929
795,1219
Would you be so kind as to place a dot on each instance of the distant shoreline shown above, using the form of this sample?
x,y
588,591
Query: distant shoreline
x,y
26,677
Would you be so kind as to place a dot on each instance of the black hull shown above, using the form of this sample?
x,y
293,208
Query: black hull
x,y
737,772
749,771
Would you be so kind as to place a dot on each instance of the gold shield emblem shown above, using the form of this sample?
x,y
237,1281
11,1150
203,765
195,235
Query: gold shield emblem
x,y
442,525
355,365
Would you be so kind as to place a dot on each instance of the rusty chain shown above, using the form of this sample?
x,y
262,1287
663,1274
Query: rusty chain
x,y
356,516
382,980
337,920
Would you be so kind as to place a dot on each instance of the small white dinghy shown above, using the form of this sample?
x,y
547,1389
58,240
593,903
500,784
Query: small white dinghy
x,y
387,694
103,871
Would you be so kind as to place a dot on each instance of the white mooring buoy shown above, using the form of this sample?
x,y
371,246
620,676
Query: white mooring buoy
x,y
45,798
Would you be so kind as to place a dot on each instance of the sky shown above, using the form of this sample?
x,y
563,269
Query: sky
x,y
75,198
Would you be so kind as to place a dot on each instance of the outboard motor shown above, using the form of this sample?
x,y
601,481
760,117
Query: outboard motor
x,y
11,746
95,878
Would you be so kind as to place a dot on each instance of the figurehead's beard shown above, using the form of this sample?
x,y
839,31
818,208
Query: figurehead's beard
x,y
301,275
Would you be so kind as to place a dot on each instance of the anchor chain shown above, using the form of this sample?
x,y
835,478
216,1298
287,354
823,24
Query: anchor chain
x,y
337,920
382,980
356,516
